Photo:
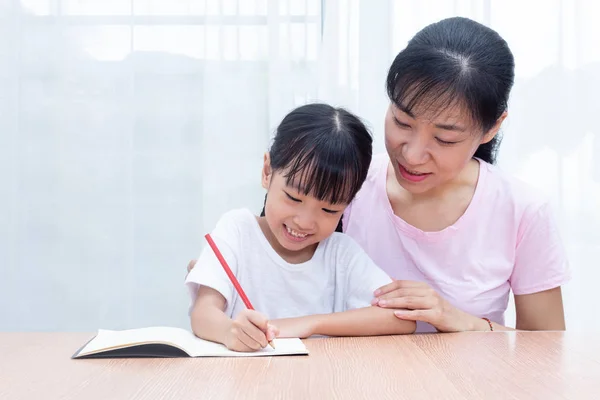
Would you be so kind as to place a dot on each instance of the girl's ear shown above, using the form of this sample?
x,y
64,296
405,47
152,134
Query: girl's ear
x,y
267,172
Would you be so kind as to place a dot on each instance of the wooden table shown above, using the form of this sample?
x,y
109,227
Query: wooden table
x,y
523,365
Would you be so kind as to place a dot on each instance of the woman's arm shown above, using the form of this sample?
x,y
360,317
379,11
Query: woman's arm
x,y
540,311
419,302
368,321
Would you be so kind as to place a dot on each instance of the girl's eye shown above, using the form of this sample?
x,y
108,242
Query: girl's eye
x,y
401,124
330,211
292,198
445,143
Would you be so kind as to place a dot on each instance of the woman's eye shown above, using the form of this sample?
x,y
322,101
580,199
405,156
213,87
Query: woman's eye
x,y
444,143
292,198
401,124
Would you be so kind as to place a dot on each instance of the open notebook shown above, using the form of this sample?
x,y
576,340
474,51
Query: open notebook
x,y
172,342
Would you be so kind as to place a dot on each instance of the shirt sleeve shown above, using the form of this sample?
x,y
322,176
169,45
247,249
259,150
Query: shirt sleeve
x,y
540,261
208,271
364,277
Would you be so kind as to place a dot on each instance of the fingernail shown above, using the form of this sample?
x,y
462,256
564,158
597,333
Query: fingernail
x,y
398,313
382,302
374,301
377,292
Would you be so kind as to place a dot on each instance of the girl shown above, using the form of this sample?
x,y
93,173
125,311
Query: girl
x,y
303,277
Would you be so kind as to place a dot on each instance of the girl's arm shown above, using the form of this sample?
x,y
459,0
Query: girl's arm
x,y
247,332
368,321
207,317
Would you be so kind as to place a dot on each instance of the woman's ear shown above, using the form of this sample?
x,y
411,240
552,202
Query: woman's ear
x,y
267,172
494,131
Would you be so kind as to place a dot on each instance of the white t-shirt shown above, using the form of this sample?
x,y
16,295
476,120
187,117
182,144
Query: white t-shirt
x,y
340,276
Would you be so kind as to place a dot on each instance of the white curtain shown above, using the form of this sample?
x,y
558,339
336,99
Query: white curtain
x,y
127,127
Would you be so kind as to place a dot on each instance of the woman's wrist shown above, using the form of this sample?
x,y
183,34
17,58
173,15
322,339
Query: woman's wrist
x,y
476,324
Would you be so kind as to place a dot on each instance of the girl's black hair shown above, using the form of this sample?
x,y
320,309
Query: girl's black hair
x,y
324,151
455,61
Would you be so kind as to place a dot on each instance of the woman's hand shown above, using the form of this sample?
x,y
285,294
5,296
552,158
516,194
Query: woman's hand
x,y
417,301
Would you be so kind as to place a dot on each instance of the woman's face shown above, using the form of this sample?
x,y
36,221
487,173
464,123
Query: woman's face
x,y
431,149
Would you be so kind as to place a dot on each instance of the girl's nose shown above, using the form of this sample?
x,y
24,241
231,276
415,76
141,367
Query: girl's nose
x,y
305,221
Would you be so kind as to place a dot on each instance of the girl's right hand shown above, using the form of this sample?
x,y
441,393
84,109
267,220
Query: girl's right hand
x,y
249,331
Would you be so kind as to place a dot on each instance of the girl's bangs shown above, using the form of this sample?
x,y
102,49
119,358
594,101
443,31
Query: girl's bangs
x,y
324,175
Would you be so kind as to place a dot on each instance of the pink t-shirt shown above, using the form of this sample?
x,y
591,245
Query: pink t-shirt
x,y
506,239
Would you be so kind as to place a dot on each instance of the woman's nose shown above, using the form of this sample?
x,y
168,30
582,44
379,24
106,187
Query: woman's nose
x,y
415,151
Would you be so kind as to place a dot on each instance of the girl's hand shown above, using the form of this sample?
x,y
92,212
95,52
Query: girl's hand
x,y
417,301
249,331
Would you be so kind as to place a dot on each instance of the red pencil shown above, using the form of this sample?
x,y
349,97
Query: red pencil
x,y
231,276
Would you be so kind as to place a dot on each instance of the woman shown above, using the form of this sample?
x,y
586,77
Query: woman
x,y
436,213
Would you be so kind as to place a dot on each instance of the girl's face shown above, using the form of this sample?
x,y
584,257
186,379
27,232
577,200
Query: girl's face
x,y
429,151
297,222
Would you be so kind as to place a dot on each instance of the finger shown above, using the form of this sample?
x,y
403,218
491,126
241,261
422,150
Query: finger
x,y
249,341
272,332
257,319
190,265
387,288
398,285
258,336
406,292
410,302
415,315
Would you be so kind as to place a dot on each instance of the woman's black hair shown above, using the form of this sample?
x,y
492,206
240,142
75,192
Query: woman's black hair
x,y
455,61
324,151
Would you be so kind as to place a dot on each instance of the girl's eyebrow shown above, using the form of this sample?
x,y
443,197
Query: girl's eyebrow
x,y
299,189
295,186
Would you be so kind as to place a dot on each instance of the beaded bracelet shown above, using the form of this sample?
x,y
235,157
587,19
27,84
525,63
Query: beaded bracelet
x,y
489,323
